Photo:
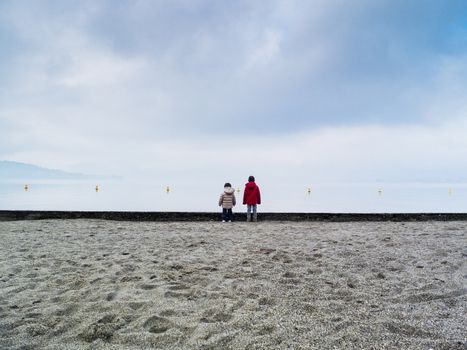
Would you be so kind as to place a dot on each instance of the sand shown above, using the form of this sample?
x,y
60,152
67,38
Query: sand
x,y
90,284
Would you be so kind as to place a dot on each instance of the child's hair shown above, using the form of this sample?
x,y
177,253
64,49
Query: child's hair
x,y
251,178
227,184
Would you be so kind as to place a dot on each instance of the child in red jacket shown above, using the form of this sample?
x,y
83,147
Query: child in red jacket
x,y
251,197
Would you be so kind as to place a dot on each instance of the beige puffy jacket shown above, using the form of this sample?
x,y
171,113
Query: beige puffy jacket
x,y
227,199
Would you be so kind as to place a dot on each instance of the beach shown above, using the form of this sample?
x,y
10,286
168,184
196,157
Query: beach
x,y
96,284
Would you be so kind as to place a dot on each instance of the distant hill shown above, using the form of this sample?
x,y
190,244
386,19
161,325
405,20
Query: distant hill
x,y
18,171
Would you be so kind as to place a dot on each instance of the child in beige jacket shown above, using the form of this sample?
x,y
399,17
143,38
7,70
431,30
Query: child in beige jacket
x,y
227,202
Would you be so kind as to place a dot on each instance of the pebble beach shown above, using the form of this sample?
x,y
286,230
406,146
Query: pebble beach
x,y
95,284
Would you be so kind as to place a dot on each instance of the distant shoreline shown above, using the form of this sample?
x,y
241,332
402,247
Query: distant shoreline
x,y
16,215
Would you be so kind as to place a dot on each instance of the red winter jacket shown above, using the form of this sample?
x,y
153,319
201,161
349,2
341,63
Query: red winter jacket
x,y
251,194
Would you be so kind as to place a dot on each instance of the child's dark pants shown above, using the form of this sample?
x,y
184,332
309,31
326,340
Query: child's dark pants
x,y
227,214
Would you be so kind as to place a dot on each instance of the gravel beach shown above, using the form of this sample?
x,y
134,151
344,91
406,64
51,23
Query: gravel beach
x,y
93,284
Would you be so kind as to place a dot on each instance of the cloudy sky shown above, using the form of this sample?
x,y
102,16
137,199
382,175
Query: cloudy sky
x,y
321,90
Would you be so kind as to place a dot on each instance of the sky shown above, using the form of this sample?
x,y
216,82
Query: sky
x,y
212,91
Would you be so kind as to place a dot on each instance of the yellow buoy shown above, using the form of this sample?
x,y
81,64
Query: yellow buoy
x,y
26,188
167,189
309,190
238,189
450,191
97,188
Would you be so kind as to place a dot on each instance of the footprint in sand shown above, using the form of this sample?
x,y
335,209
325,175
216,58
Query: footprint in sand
x,y
111,296
67,310
408,330
130,279
252,296
289,274
157,324
148,286
381,276
173,294
103,329
36,330
168,312
266,330
136,305
266,301
179,287
213,316
341,326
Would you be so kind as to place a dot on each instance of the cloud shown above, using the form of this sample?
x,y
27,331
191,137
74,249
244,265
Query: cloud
x,y
340,90
409,153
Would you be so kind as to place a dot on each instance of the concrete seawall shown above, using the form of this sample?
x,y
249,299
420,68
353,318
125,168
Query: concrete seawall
x,y
13,215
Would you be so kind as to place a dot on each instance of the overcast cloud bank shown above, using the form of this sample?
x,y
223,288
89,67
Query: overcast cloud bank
x,y
327,90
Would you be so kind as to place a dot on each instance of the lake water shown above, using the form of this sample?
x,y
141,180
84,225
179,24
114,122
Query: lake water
x,y
145,196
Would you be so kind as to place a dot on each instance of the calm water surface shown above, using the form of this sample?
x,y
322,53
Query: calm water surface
x,y
120,195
